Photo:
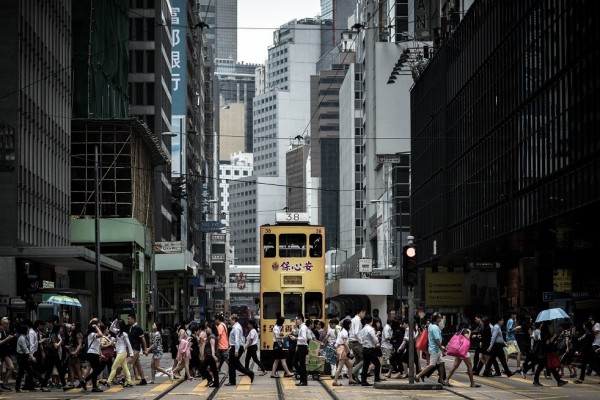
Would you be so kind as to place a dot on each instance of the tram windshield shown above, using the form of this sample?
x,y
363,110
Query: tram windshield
x,y
312,306
271,305
292,245
292,305
316,245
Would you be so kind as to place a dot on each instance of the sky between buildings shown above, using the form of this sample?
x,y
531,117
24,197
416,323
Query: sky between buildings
x,y
270,14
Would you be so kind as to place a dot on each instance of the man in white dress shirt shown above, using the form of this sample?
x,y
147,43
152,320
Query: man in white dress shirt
x,y
354,341
302,349
236,348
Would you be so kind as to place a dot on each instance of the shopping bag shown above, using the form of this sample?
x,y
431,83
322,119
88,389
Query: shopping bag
x,y
423,342
510,349
458,346
552,360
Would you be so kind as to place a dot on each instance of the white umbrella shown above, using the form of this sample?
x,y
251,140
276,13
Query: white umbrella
x,y
551,314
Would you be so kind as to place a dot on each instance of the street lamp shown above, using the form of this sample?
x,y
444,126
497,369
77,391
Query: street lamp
x,y
335,259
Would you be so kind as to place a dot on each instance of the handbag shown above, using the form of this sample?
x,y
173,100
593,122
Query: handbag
x,y
552,360
509,349
423,342
108,353
458,346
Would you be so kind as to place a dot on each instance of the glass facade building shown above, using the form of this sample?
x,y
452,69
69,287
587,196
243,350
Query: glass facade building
x,y
505,161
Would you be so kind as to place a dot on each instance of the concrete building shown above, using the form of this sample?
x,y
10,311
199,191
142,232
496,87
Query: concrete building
x,y
351,234
280,114
236,166
150,100
325,143
37,257
179,263
236,85
231,130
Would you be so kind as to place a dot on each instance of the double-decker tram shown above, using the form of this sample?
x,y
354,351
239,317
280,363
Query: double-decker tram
x,y
292,275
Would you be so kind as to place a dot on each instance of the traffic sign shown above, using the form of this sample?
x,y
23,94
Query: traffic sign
x,y
365,265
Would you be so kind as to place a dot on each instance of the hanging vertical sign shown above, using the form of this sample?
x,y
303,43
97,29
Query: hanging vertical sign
x,y
178,55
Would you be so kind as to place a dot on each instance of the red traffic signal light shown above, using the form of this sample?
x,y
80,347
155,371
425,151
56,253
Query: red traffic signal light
x,y
409,265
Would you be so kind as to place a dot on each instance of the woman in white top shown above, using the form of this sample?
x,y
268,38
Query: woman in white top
x,y
343,354
93,355
123,348
278,350
251,347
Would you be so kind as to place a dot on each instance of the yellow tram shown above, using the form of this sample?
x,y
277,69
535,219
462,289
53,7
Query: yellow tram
x,y
292,275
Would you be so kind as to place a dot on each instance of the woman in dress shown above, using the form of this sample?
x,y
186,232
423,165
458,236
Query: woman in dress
x,y
75,347
466,332
278,350
343,354
156,348
123,348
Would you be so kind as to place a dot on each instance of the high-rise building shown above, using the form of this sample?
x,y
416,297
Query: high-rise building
x,y
35,131
514,197
150,99
221,16
280,114
236,86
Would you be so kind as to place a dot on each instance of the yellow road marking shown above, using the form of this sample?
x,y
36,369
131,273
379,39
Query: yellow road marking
x,y
161,387
495,383
114,389
201,387
244,384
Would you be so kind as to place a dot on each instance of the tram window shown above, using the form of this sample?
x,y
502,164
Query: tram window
x,y
312,305
292,305
271,305
316,245
292,245
269,245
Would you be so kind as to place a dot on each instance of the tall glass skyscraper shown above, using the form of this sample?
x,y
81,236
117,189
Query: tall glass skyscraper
x,y
221,16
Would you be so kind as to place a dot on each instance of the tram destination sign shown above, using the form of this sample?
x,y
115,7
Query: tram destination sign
x,y
292,280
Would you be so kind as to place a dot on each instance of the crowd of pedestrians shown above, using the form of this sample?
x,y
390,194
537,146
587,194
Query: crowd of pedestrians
x,y
50,354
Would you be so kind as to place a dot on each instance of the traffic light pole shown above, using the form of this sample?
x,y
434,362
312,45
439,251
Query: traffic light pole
x,y
411,334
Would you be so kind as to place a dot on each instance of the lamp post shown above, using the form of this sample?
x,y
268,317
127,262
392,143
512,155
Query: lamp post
x,y
335,259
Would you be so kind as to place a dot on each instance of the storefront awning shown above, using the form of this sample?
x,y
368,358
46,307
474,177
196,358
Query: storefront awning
x,y
72,258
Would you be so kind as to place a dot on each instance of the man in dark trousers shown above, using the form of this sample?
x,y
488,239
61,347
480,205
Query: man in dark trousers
x,y
236,348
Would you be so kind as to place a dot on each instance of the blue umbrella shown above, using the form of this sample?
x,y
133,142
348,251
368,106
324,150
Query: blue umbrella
x,y
549,315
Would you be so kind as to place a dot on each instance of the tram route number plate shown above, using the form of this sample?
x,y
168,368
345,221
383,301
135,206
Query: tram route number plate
x,y
292,280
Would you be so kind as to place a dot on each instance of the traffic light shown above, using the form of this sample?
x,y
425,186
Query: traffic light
x,y
409,265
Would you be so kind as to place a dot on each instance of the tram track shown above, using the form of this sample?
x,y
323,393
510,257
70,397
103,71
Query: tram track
x,y
213,394
328,390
